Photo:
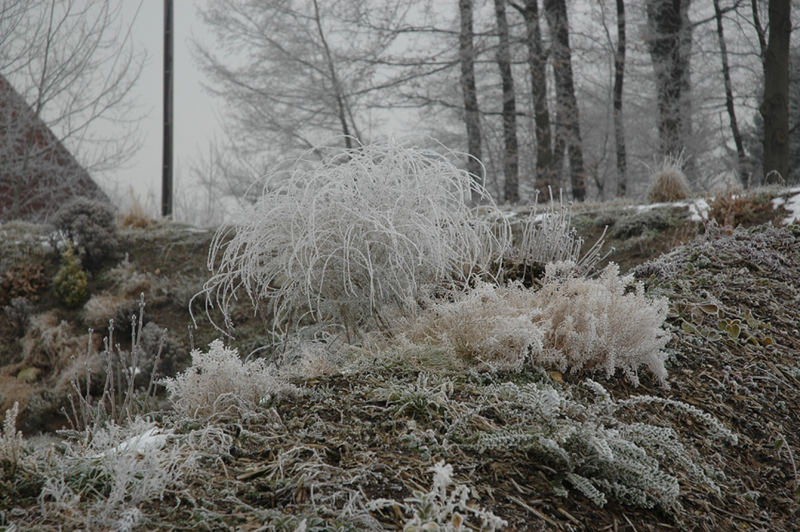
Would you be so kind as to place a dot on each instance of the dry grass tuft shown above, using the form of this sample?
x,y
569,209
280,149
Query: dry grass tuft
x,y
100,309
669,183
135,215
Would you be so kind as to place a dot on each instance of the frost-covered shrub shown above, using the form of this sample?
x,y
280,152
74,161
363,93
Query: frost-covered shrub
x,y
50,343
71,282
350,238
584,440
606,323
219,382
99,309
131,283
497,326
90,226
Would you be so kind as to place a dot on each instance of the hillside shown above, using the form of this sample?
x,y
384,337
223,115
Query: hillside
x,y
382,434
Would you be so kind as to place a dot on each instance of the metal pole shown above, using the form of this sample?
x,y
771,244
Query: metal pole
x,y
166,176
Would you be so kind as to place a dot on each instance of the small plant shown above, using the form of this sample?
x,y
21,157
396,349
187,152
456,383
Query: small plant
x,y
598,323
578,434
90,226
350,239
420,401
444,508
71,281
669,183
22,280
219,382
18,313
550,237
10,442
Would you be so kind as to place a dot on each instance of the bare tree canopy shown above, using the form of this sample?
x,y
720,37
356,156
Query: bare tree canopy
x,y
294,73
297,74
72,65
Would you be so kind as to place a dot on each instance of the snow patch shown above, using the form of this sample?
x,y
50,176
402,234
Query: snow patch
x,y
140,444
698,208
793,206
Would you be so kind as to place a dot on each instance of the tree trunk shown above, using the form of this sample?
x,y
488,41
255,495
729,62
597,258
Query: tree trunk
x,y
775,107
667,43
568,131
341,105
741,158
619,124
545,180
511,152
470,92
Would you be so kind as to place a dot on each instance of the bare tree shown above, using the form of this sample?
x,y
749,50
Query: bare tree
x,y
775,105
568,130
619,123
293,72
68,67
511,151
537,65
468,89
669,26
729,102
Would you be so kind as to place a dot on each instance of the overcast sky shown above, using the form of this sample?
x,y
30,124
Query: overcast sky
x,y
195,115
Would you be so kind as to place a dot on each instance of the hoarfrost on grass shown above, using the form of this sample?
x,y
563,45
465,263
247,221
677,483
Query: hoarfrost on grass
x,y
606,323
219,383
344,240
445,507
104,476
581,436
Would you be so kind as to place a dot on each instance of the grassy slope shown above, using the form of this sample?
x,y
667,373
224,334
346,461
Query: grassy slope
x,y
734,301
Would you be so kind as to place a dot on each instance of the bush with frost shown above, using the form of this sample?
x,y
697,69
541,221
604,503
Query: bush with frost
x,y
91,227
219,383
584,437
488,325
357,235
605,323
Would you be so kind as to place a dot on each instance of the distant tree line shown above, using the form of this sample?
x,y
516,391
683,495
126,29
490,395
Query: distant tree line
x,y
580,95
